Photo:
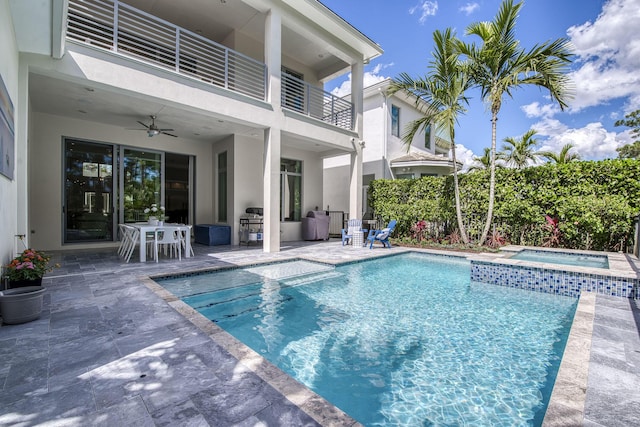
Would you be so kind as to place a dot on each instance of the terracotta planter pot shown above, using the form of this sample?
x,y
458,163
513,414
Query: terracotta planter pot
x,y
21,305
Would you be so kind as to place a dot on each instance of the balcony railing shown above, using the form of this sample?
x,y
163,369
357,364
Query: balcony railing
x,y
120,28
300,96
131,32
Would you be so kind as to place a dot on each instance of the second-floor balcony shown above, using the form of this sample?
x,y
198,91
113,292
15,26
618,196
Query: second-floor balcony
x,y
122,29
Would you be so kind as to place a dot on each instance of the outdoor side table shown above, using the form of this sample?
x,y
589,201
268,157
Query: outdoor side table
x,y
357,239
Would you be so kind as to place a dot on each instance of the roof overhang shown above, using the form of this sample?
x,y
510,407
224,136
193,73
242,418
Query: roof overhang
x,y
40,25
423,160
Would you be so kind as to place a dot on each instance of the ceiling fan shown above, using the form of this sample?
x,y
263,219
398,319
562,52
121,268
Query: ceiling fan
x,y
153,129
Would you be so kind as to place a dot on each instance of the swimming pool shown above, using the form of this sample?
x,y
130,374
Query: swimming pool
x,y
564,258
405,340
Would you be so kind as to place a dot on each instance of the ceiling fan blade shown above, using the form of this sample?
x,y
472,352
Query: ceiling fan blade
x,y
146,126
169,134
165,130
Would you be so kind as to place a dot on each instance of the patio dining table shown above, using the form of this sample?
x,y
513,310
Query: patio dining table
x,y
145,227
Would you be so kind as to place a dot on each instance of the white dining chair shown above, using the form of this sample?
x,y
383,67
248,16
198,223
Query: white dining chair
x,y
131,235
168,240
185,233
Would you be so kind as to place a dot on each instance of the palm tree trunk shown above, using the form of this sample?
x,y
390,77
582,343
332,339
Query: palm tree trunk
x,y
456,191
492,179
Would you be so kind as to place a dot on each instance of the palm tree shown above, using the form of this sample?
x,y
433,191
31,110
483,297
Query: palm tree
x,y
484,162
562,157
519,152
441,97
499,66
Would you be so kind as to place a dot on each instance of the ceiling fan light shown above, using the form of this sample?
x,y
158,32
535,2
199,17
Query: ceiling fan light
x,y
152,132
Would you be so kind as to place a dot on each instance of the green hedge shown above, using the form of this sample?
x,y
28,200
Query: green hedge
x,y
595,203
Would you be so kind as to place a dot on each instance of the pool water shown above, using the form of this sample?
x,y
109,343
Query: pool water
x,y
564,258
406,340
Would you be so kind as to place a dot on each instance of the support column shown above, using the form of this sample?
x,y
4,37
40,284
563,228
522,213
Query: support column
x,y
271,201
355,184
273,57
272,143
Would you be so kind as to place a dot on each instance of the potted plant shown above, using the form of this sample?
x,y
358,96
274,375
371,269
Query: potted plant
x,y
155,214
28,268
23,301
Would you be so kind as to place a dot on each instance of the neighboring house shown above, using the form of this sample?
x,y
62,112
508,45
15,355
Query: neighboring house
x,y
240,116
384,154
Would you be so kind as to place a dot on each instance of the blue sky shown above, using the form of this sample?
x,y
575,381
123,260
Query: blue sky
x,y
605,76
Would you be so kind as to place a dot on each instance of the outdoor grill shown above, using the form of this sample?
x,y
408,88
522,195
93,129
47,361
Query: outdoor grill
x,y
251,223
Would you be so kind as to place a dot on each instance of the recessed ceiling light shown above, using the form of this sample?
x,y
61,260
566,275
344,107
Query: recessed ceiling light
x,y
220,121
82,111
196,134
89,89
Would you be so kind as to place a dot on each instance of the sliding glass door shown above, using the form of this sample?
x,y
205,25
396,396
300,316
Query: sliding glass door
x,y
88,191
95,202
141,175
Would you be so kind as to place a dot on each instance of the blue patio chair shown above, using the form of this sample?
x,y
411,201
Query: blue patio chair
x,y
382,236
352,225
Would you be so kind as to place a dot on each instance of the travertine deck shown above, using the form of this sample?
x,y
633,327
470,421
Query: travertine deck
x,y
112,348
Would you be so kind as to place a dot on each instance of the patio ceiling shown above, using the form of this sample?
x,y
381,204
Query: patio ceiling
x,y
94,104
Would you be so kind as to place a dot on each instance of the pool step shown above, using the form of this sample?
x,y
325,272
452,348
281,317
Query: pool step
x,y
311,278
252,294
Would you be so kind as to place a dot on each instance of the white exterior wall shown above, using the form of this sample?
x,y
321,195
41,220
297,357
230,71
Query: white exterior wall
x,y
9,70
247,179
374,129
46,161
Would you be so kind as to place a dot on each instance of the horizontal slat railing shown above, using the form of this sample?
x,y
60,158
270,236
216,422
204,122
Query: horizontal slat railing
x,y
300,96
128,31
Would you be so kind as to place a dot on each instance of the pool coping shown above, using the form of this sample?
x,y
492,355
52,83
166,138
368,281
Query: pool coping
x,y
314,405
568,397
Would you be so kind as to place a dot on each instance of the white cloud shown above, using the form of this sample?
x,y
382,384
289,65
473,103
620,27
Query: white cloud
x,y
609,51
591,142
464,155
469,8
535,109
426,8
370,78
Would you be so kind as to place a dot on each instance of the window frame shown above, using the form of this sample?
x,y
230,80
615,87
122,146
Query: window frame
x,y
285,175
395,120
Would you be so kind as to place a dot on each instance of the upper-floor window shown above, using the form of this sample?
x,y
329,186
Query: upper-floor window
x,y
427,137
395,121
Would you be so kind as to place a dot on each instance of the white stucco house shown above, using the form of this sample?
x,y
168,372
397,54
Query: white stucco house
x,y
385,156
205,108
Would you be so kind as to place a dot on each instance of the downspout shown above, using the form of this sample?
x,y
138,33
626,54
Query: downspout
x,y
385,137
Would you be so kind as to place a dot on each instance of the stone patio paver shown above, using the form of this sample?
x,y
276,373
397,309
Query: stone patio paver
x,y
112,349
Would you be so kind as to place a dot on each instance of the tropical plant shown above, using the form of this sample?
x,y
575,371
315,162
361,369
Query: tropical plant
x,y
441,98
562,157
419,230
630,151
520,152
496,239
499,65
29,265
552,239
